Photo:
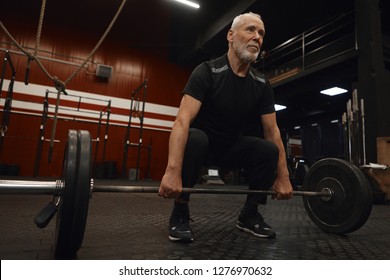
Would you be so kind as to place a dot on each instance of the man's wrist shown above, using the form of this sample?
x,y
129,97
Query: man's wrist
x,y
173,170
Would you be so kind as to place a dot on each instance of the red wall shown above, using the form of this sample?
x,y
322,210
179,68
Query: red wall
x,y
130,68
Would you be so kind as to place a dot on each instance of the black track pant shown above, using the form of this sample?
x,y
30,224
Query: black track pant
x,y
258,158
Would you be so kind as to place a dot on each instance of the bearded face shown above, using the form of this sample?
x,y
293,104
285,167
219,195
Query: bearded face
x,y
247,52
246,38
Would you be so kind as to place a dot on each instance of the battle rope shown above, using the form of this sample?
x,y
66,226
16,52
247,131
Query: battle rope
x,y
54,128
37,42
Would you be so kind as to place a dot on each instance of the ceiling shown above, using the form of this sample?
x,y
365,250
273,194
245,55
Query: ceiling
x,y
188,36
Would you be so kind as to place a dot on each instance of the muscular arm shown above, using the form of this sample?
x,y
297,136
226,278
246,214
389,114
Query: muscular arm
x,y
282,183
171,183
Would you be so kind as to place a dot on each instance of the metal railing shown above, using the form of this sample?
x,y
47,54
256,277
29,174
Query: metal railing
x,y
332,38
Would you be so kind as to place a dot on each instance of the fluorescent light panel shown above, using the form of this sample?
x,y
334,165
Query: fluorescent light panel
x,y
333,91
189,3
279,107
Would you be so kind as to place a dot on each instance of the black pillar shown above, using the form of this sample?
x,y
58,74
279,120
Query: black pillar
x,y
373,79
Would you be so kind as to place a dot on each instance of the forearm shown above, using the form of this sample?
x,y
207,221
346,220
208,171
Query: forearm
x,y
177,143
282,170
171,183
282,161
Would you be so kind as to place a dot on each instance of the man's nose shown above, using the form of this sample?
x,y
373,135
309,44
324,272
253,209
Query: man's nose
x,y
258,38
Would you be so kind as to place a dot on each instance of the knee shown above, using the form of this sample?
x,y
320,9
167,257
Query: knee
x,y
198,140
273,154
267,151
273,151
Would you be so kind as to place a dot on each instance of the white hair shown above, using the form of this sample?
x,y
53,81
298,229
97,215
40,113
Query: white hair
x,y
238,19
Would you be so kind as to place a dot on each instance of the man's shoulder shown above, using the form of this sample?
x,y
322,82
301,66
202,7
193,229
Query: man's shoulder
x,y
257,75
219,64
213,66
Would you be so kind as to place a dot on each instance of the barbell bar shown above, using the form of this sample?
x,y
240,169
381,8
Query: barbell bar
x,y
326,193
336,194
55,188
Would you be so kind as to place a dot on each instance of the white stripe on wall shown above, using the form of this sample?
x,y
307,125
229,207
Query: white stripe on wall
x,y
89,98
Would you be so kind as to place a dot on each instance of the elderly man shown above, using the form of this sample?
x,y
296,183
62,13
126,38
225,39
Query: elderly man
x,y
220,98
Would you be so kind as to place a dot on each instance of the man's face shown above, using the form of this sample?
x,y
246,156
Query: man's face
x,y
247,38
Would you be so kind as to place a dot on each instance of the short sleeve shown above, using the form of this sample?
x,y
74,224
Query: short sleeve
x,y
199,82
268,102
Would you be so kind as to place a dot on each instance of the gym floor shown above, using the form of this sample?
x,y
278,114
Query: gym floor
x,y
124,226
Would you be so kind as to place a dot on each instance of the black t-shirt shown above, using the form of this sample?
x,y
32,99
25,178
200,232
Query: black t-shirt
x,y
229,102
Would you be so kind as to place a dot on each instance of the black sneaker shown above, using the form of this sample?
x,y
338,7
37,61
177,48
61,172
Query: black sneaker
x,y
179,226
254,224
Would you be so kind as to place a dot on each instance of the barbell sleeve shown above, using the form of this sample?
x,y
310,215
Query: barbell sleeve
x,y
29,187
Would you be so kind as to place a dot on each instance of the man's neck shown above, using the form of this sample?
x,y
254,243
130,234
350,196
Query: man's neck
x,y
238,67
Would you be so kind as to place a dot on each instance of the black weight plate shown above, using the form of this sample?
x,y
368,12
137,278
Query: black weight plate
x,y
351,203
83,187
65,211
367,202
73,212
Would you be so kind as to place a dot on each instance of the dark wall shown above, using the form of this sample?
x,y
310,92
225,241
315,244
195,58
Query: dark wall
x,y
374,82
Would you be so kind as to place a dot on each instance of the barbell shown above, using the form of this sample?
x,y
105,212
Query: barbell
x,y
336,194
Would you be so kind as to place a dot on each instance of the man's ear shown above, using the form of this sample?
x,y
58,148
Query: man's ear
x,y
229,36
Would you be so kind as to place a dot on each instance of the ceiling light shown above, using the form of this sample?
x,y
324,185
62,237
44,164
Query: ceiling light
x,y
189,3
333,91
279,107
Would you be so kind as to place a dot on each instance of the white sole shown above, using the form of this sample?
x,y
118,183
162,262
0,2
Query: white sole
x,y
171,238
254,233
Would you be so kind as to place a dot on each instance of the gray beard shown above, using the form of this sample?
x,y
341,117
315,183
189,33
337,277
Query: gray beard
x,y
246,56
